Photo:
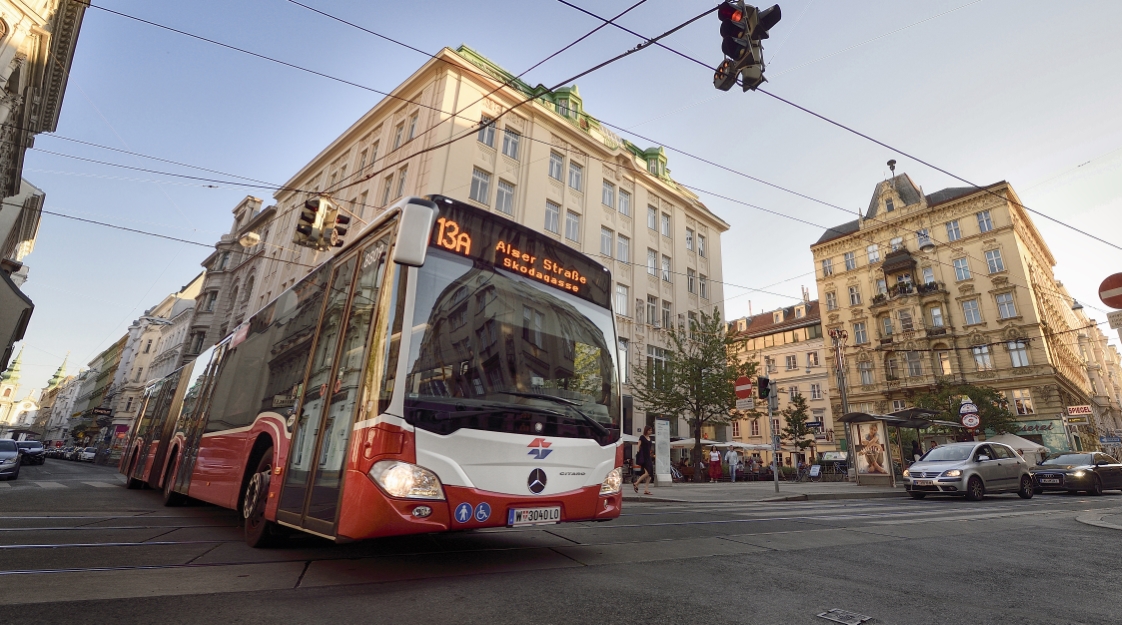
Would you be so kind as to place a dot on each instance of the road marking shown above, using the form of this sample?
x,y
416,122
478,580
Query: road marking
x,y
969,517
101,484
5,485
48,485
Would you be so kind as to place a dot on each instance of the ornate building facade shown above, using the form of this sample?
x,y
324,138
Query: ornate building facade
x,y
956,285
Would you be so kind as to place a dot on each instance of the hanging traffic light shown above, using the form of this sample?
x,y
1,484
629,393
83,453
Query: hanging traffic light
x,y
309,223
763,387
743,27
336,227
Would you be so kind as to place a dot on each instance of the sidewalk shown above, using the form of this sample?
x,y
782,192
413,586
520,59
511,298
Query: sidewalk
x,y
1108,519
741,492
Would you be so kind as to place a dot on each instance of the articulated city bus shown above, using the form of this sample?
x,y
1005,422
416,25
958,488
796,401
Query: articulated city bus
x,y
448,369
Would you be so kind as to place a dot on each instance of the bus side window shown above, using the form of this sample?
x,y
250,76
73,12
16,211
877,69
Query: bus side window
x,y
382,370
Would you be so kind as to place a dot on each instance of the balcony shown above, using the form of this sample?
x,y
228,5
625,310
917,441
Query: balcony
x,y
929,288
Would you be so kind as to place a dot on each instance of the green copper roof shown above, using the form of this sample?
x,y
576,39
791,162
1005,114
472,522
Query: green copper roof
x,y
11,374
59,375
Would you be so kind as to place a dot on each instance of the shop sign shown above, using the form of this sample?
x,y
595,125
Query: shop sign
x,y
1078,410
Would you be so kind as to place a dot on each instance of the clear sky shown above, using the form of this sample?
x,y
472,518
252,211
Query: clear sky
x,y
1027,92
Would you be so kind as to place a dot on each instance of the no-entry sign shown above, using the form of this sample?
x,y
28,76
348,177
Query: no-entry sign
x,y
1110,291
743,387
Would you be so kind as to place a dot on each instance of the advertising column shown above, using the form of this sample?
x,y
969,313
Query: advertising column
x,y
662,452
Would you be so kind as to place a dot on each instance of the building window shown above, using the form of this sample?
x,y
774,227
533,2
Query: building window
x,y
936,317
961,269
886,325
606,242
701,245
983,360
891,372
865,371
970,312
556,165
874,253
552,217
652,262
703,283
905,318
652,218
792,362
915,364
889,206
623,249
665,225
860,335
755,428
831,300
608,195
1018,353
148,346
666,316
624,203
412,127
928,275
398,134
652,310
576,176
387,190
487,131
854,295
792,392
923,237
944,359
689,239
769,364
532,325
572,226
827,267
622,297
563,107
985,222
816,391
128,404
511,140
953,232
504,198
882,287
691,280
624,352
666,268
994,262
736,429
480,186
896,243
850,261
211,298
1022,401
401,176
1005,306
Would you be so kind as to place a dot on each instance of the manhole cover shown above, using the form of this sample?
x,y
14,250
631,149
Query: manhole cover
x,y
844,616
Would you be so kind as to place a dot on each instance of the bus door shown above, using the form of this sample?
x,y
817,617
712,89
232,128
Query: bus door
x,y
163,428
192,419
317,458
154,400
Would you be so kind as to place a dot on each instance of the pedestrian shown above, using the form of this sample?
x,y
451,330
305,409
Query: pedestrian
x,y
732,458
917,451
645,461
714,464
933,446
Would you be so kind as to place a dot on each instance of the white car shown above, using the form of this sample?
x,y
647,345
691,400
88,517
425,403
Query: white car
x,y
87,454
971,469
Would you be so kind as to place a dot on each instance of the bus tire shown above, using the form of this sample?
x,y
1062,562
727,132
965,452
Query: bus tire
x,y
131,482
259,531
171,498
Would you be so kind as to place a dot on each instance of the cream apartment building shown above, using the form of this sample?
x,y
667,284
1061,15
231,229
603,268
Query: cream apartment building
x,y
547,164
788,348
955,285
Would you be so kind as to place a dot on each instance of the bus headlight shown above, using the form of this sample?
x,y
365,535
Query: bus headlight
x,y
401,479
613,482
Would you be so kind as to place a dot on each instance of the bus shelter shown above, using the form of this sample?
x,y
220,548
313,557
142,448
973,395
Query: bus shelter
x,y
882,442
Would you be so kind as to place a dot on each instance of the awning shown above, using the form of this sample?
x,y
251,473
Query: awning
x,y
15,311
897,421
689,442
897,261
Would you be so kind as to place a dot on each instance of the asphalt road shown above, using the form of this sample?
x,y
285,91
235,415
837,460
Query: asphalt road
x,y
75,544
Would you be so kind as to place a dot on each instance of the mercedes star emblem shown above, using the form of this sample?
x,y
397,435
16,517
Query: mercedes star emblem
x,y
536,481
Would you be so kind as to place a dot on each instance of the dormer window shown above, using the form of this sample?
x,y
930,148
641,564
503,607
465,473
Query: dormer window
x,y
800,312
889,206
652,165
563,107
777,316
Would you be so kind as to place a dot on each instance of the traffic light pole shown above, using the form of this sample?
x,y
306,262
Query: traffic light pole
x,y
774,442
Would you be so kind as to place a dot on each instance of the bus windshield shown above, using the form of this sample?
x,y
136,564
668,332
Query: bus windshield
x,y
492,349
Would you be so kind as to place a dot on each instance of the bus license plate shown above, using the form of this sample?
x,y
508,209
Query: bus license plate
x,y
534,516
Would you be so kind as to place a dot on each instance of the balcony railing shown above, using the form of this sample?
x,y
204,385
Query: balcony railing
x,y
928,288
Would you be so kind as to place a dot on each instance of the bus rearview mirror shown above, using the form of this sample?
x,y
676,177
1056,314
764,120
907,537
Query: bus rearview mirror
x,y
417,218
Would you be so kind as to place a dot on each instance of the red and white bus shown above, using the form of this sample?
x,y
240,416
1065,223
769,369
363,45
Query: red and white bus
x,y
447,369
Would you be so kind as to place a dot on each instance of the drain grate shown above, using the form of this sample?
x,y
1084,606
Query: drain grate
x,y
844,616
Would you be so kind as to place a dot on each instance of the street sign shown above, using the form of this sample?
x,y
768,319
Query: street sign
x,y
971,420
743,388
814,424
1110,440
746,404
775,442
1078,410
968,408
1115,319
1076,420
1110,291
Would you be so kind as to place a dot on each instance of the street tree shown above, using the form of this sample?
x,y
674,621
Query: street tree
x,y
795,417
696,379
993,407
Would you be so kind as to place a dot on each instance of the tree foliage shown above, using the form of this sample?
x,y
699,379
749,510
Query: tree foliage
x,y
696,381
795,417
993,407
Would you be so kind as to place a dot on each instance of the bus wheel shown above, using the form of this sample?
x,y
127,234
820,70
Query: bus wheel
x,y
259,532
131,482
172,498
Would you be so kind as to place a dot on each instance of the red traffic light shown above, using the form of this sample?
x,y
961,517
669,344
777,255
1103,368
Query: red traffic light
x,y
729,12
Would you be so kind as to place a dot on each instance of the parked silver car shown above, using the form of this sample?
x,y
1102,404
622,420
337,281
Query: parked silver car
x,y
971,470
9,459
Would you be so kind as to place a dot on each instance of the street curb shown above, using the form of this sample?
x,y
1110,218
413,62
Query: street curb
x,y
1096,519
803,497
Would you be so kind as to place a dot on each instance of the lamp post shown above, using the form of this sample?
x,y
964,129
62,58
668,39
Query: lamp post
x,y
839,336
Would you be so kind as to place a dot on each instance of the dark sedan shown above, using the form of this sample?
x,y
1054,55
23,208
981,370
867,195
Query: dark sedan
x,y
33,452
1092,472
